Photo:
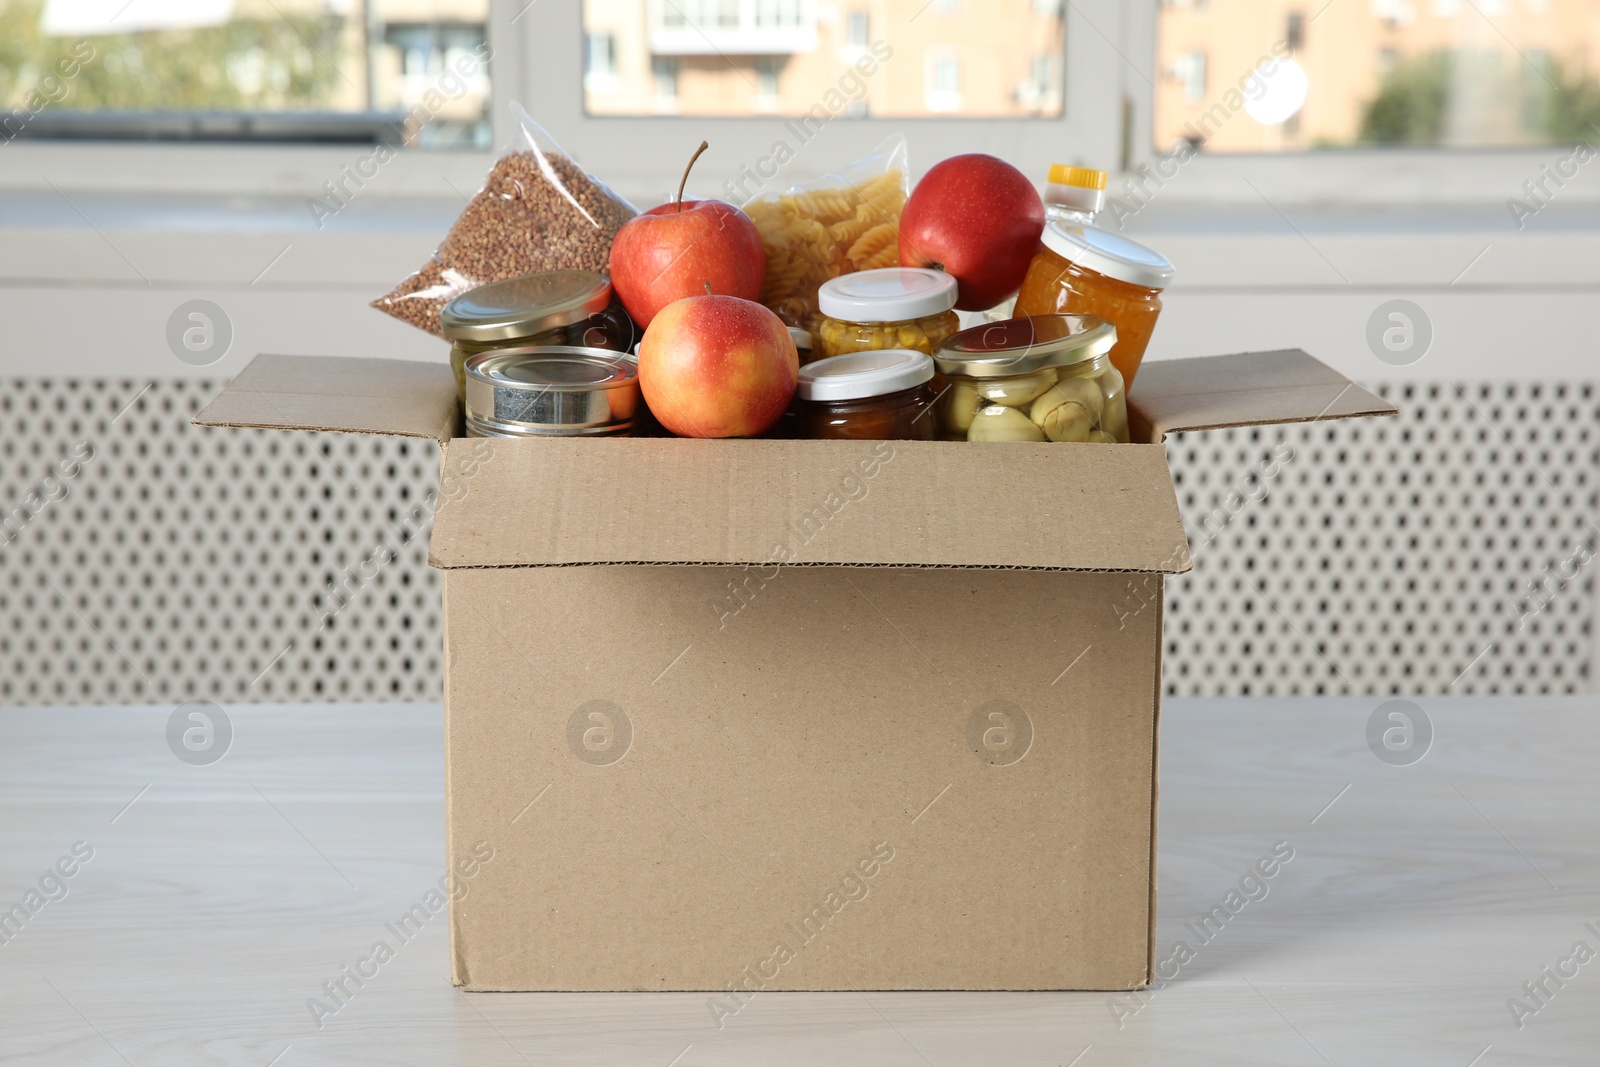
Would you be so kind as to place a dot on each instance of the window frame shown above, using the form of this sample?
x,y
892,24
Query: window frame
x,y
1106,121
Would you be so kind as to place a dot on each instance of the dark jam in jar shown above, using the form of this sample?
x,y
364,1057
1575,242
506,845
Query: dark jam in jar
x,y
882,395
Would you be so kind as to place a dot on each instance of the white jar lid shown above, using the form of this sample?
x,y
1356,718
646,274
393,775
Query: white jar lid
x,y
1110,254
889,294
856,375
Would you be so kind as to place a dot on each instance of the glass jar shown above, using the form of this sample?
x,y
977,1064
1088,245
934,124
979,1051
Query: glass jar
x,y
1044,378
891,307
561,307
881,395
802,344
1083,270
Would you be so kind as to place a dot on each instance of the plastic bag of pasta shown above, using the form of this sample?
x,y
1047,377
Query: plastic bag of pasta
x,y
537,211
842,222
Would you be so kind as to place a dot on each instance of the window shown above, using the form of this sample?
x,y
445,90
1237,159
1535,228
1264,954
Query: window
x,y
767,69
664,72
944,82
728,52
858,29
1190,70
207,70
1440,72
600,55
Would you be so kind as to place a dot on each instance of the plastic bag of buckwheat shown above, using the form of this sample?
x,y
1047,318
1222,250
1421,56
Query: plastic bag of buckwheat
x,y
537,211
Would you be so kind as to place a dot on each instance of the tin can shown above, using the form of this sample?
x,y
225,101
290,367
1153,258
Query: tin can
x,y
551,391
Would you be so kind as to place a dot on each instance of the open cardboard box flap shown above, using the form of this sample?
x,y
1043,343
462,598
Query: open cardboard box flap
x,y
1247,389
394,397
566,501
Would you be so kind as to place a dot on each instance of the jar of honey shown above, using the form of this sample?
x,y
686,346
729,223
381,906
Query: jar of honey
x,y
559,307
1045,378
880,395
1083,270
891,307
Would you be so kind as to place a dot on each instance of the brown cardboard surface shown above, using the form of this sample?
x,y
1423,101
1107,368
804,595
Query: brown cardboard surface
x,y
771,750
1247,389
398,397
769,733
633,500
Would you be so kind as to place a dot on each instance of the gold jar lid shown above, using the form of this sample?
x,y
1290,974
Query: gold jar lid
x,y
525,306
1017,346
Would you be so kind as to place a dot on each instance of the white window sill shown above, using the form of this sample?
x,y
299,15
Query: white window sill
x,y
123,239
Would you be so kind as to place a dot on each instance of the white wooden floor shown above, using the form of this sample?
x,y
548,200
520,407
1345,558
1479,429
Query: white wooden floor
x,y
220,898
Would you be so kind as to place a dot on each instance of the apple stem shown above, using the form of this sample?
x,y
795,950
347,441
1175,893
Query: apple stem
x,y
686,170
708,290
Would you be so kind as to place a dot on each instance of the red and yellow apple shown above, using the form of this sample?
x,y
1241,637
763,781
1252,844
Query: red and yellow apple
x,y
717,366
686,248
978,219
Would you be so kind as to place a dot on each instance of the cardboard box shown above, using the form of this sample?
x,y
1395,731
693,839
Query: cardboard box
x,y
741,715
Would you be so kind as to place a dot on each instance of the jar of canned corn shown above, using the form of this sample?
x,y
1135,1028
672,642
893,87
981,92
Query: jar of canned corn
x,y
893,307
1044,378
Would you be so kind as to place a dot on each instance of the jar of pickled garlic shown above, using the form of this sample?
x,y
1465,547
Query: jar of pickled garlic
x,y
891,307
1084,270
1043,378
880,395
559,307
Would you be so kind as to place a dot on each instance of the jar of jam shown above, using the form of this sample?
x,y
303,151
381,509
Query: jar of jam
x,y
1083,270
560,307
880,395
802,344
1044,378
891,307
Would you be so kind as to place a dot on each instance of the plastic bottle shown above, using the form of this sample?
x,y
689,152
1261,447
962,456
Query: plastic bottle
x,y
1074,194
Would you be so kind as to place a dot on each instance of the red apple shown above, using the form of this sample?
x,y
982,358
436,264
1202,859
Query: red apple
x,y
978,218
717,366
686,248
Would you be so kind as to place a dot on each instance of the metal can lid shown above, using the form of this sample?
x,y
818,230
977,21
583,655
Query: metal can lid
x,y
887,294
525,306
856,375
1110,254
1017,346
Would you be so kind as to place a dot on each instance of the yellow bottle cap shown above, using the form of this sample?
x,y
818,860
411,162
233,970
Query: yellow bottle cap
x,y
1082,177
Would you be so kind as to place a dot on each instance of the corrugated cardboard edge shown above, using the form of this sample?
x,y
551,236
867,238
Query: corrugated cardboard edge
x,y
459,974
1155,773
795,564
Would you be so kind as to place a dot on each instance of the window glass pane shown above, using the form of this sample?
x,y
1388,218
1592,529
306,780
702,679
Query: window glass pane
x,y
788,57
1260,76
394,70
